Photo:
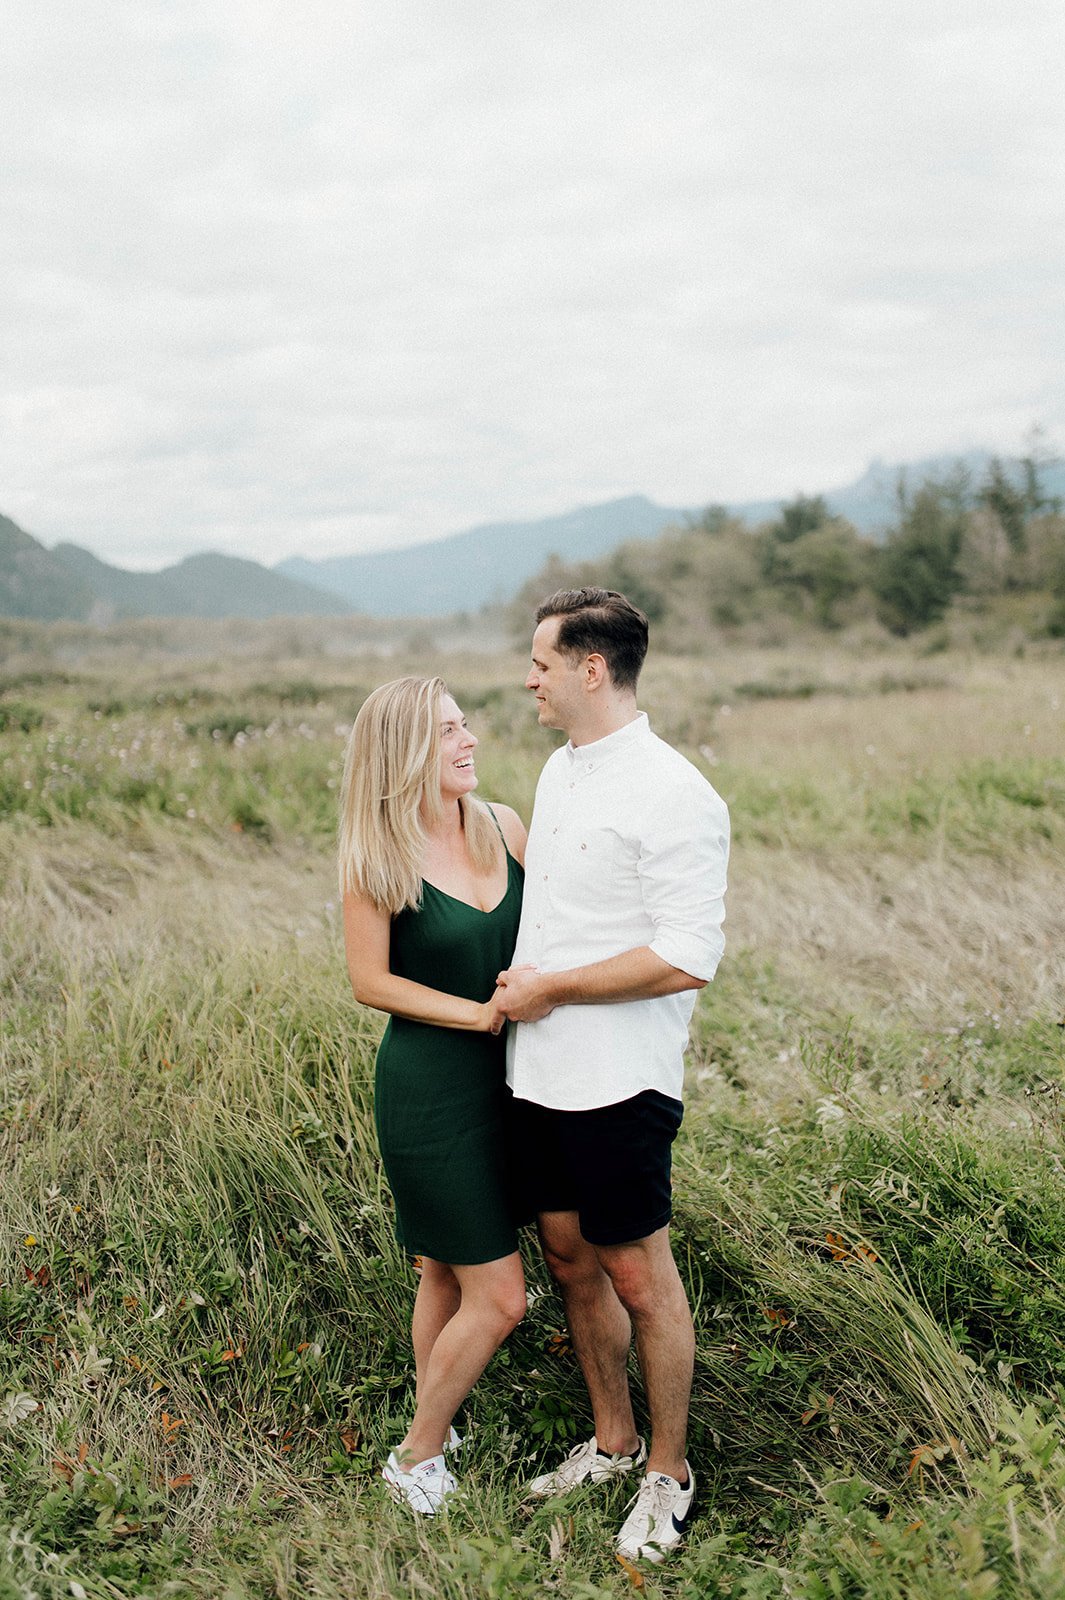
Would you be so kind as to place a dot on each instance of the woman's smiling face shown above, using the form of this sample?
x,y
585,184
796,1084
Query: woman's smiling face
x,y
458,775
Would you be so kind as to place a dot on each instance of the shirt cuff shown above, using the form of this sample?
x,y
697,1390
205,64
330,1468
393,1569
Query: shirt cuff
x,y
688,953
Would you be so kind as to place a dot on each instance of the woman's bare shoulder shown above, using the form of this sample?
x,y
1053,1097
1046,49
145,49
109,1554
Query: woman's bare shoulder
x,y
513,829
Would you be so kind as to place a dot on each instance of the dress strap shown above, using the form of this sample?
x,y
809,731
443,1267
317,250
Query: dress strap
x,y
495,819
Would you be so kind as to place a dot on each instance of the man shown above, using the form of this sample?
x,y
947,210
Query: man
x,y
621,924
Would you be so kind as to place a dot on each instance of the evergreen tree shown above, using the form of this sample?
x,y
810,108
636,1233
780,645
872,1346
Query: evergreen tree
x,y
1008,500
917,573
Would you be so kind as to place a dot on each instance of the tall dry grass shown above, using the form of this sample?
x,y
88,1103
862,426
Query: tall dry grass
x,y
203,1348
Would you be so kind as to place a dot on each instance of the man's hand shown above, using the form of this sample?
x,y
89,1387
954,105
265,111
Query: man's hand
x,y
523,994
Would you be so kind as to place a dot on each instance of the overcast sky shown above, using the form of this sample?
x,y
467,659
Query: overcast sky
x,y
339,274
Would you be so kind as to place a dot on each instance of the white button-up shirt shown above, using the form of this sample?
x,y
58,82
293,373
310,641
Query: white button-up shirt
x,y
628,847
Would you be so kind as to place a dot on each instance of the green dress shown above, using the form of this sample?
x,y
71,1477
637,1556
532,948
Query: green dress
x,y
439,1096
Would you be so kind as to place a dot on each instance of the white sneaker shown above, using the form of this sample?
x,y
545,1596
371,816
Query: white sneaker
x,y
585,1461
423,1487
657,1519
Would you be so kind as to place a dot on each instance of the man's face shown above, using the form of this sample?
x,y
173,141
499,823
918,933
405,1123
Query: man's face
x,y
556,680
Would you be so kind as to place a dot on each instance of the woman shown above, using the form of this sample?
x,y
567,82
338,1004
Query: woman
x,y
431,880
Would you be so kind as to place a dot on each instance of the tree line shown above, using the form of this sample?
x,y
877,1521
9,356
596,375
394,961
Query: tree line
x,y
955,539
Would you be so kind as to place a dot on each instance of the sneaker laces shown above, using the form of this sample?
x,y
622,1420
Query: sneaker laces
x,y
577,1463
652,1504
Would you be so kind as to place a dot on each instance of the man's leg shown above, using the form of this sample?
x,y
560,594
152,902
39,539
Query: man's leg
x,y
643,1277
599,1327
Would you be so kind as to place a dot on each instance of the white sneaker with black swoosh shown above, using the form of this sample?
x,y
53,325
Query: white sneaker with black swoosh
x,y
658,1517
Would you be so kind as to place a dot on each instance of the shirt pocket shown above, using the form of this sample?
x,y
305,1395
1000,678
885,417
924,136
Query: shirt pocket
x,y
597,864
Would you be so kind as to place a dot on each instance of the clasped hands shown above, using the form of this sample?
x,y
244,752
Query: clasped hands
x,y
519,997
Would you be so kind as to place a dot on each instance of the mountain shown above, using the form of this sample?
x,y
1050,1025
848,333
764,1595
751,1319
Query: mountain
x,y
69,583
208,585
33,583
488,563
870,502
484,564
437,578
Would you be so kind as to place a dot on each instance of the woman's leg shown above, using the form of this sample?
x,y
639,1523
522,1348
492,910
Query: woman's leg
x,y
491,1304
435,1304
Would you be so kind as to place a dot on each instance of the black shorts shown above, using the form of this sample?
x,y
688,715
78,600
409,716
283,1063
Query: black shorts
x,y
611,1165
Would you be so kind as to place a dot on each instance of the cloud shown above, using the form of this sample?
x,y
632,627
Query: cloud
x,y
319,278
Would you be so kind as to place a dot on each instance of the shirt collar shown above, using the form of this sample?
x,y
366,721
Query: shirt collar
x,y
593,755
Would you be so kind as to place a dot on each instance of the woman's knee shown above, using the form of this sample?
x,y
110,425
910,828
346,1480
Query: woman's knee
x,y
513,1301
501,1311
511,1308
498,1295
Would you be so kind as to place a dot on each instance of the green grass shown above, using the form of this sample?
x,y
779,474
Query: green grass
x,y
203,1313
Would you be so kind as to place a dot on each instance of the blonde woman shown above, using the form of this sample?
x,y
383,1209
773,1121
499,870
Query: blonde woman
x,y
431,879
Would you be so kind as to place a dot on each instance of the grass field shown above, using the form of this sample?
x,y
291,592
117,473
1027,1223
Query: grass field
x,y
203,1314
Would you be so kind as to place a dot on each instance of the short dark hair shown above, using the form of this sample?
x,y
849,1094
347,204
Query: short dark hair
x,y
600,622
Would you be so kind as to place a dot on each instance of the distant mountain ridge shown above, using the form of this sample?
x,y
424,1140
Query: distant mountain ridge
x,y
471,569
32,582
484,564
71,584
462,572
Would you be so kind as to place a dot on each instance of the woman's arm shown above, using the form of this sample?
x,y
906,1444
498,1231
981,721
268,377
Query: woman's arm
x,y
366,941
514,831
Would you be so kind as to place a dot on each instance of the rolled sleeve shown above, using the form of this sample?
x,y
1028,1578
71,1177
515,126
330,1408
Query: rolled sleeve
x,y
683,865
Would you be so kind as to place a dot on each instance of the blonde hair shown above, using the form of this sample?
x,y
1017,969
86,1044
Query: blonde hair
x,y
392,775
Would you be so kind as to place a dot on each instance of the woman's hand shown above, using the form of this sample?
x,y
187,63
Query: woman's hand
x,y
494,1016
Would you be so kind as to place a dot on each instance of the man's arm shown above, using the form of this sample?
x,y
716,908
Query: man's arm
x,y
528,995
681,868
